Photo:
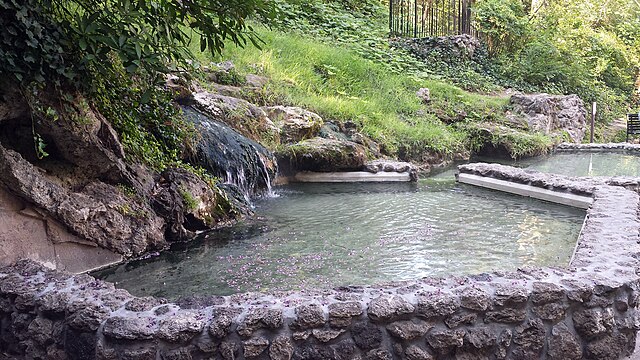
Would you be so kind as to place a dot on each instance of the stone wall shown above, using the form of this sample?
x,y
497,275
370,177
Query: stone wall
x,y
587,311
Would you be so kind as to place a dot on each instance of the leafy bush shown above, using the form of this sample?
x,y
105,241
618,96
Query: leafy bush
x,y
503,23
31,44
61,40
151,127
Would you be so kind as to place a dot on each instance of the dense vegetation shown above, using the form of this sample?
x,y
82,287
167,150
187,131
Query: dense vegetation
x,y
587,47
115,52
331,56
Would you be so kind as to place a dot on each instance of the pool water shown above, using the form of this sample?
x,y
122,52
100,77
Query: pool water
x,y
587,164
328,235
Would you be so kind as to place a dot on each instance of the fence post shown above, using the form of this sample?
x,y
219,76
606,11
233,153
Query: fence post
x,y
390,17
593,121
415,18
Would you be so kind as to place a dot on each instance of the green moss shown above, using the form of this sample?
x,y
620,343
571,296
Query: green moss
x,y
190,202
127,190
517,143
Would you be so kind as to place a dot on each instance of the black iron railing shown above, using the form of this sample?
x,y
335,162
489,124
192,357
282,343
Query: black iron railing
x,y
428,18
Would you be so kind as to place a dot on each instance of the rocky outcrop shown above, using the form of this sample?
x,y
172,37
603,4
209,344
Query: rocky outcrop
x,y
118,223
295,124
383,165
188,204
235,159
549,114
28,232
453,47
85,203
243,116
324,155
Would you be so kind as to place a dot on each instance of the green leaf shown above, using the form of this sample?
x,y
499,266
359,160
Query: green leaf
x,y
145,97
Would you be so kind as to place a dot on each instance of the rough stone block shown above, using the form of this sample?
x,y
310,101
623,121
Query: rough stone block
x,y
436,304
563,344
409,330
281,348
389,308
308,316
366,335
260,318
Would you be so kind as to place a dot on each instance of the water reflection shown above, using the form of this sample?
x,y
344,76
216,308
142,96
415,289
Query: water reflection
x,y
589,164
327,235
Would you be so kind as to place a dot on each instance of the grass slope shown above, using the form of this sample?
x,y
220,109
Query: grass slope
x,y
340,84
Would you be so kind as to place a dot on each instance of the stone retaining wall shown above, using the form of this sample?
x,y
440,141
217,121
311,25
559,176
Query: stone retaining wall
x,y
588,311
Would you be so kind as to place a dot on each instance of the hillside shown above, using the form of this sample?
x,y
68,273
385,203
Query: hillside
x,y
335,58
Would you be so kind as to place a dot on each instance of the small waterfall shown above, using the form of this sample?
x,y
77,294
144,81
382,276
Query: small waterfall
x,y
269,192
232,157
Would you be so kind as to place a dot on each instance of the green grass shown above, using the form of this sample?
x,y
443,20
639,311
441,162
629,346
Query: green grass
x,y
341,85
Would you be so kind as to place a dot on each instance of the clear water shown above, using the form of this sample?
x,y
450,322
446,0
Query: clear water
x,y
327,235
588,164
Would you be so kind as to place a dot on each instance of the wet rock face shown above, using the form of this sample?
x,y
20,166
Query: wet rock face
x,y
188,203
230,156
241,115
550,114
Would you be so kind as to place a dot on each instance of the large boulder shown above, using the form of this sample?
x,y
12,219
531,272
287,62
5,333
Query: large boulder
x,y
245,117
324,155
550,114
188,204
117,222
295,124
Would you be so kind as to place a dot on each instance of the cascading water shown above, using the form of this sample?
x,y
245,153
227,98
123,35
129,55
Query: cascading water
x,y
235,159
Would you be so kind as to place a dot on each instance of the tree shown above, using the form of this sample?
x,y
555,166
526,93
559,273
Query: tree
x,y
502,22
62,38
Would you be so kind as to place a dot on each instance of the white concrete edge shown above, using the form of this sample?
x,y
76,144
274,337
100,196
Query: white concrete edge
x,y
351,176
582,202
102,266
575,247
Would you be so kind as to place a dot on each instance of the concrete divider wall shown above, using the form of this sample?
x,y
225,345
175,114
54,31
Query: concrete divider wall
x,y
587,311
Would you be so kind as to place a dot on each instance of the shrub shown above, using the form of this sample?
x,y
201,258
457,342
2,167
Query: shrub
x,y
503,23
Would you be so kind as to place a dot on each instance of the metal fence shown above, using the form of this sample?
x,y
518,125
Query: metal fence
x,y
428,18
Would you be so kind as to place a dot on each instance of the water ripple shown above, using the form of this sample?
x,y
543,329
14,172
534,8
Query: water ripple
x,y
339,234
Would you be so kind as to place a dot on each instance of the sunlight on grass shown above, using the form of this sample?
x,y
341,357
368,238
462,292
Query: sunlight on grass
x,y
342,86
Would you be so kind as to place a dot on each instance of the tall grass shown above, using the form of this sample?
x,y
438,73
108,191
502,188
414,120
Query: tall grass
x,y
341,85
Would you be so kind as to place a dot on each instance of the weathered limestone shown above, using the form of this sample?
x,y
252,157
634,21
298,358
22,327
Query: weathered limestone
x,y
550,114
295,124
27,233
